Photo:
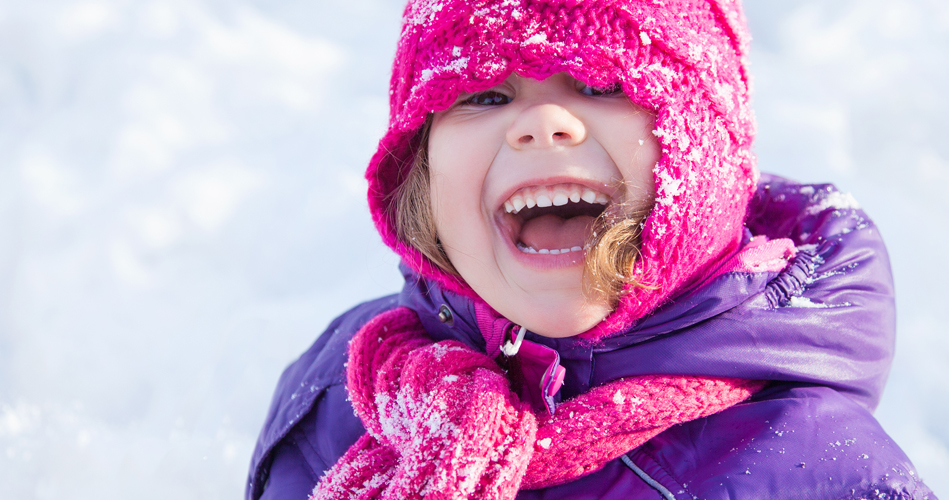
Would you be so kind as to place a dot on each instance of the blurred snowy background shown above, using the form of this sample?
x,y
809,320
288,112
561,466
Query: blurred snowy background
x,y
182,212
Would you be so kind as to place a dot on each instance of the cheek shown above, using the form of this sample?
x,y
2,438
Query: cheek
x,y
639,151
644,160
457,177
454,201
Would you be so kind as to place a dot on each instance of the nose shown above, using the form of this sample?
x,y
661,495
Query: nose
x,y
545,125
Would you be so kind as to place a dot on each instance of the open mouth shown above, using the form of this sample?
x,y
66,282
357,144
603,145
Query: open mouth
x,y
552,219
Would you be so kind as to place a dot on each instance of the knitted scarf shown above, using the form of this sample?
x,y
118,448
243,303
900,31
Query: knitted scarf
x,y
442,422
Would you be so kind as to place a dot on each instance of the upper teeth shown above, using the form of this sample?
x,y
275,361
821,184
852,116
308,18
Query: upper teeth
x,y
557,195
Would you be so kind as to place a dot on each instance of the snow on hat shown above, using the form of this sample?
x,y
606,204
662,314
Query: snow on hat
x,y
683,59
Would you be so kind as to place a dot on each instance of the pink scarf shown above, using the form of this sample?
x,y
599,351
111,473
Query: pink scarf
x,y
442,421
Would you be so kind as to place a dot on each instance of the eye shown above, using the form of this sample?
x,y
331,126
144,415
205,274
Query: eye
x,y
488,98
585,89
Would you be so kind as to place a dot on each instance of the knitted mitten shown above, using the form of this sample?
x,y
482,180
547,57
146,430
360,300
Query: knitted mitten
x,y
441,420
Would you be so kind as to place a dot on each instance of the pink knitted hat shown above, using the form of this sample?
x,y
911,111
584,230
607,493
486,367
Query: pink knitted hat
x,y
683,59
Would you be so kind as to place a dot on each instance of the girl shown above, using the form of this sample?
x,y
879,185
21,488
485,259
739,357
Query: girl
x,y
602,299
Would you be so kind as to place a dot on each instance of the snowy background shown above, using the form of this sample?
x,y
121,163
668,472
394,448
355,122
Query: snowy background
x,y
182,212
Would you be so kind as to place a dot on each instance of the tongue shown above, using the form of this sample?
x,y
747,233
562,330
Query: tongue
x,y
554,233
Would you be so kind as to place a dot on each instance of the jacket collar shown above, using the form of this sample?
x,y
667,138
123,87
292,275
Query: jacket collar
x,y
460,323
807,323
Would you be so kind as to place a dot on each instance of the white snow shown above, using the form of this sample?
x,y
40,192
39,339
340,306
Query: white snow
x,y
806,302
670,188
537,38
182,211
836,200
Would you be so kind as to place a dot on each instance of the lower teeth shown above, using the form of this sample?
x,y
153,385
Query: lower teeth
x,y
545,251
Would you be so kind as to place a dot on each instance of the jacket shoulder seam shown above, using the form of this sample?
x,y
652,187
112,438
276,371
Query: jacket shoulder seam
x,y
665,470
656,485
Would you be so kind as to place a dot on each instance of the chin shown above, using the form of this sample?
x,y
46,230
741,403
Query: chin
x,y
564,320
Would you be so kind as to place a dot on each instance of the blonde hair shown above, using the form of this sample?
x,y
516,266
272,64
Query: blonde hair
x,y
414,218
611,252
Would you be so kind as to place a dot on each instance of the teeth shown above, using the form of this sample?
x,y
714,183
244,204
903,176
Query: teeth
x,y
558,195
588,195
546,251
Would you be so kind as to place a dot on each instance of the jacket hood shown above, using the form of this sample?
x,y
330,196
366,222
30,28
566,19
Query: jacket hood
x,y
685,60
807,322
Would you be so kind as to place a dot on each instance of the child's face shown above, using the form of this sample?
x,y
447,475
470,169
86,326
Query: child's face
x,y
518,174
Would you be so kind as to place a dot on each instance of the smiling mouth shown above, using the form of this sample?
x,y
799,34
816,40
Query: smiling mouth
x,y
553,219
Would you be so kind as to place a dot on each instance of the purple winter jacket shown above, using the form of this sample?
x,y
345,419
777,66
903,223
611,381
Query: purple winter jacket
x,y
822,331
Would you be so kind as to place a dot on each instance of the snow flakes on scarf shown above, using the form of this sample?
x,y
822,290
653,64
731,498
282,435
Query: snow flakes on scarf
x,y
441,420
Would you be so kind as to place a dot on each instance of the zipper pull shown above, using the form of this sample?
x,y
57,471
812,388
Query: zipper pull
x,y
510,349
